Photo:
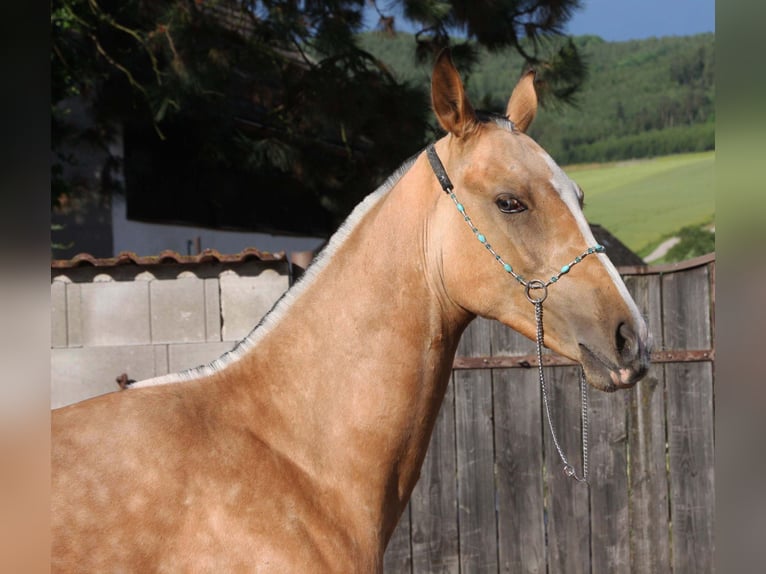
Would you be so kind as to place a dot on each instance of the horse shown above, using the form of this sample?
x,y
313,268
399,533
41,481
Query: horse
x,y
298,450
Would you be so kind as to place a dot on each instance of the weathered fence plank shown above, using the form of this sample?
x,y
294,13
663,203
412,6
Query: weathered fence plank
x,y
475,457
649,518
608,437
686,322
518,460
434,500
398,556
567,501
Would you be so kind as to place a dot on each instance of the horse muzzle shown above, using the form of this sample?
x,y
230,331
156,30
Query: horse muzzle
x,y
628,363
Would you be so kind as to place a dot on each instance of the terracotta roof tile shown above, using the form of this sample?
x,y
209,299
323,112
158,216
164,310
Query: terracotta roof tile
x,y
166,257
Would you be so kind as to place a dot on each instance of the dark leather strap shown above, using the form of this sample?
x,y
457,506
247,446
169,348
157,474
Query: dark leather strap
x,y
438,167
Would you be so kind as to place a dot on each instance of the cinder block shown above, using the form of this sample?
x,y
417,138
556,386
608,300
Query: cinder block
x,y
58,314
74,314
115,313
190,355
212,310
161,359
245,300
178,310
79,374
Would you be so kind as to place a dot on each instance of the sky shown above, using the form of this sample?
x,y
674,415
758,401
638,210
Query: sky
x,y
620,20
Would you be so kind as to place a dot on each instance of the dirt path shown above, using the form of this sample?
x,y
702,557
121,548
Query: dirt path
x,y
662,249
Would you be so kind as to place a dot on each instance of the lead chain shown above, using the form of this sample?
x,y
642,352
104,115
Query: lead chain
x,y
569,469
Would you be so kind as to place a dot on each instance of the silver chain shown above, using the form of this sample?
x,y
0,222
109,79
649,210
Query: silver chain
x,y
569,469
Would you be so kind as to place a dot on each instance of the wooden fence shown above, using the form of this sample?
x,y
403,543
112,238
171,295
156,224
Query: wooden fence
x,y
492,496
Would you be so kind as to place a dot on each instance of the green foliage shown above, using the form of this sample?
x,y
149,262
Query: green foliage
x,y
652,143
635,103
695,241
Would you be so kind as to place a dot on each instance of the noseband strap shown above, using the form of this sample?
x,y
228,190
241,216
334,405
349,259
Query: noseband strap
x,y
537,300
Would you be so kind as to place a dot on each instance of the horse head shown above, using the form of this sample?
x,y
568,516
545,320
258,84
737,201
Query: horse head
x,y
526,229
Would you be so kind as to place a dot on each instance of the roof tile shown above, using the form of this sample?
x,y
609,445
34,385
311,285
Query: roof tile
x,y
166,257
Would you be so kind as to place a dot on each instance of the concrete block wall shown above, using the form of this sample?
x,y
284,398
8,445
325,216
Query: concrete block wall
x,y
151,320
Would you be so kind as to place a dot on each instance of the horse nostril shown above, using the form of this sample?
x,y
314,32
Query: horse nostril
x,y
634,353
625,341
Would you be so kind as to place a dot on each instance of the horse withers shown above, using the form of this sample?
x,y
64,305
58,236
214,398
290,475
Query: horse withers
x,y
298,450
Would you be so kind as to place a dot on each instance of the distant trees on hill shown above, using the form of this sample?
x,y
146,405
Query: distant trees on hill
x,y
641,98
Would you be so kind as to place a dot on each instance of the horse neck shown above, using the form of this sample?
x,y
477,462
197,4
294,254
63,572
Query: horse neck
x,y
349,382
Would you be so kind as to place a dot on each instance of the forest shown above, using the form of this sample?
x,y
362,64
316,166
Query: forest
x,y
641,98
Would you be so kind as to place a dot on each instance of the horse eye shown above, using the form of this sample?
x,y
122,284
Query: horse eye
x,y
509,204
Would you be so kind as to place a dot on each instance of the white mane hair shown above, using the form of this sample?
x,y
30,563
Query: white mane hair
x,y
283,305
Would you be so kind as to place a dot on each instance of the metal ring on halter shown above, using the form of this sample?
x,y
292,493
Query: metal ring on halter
x,y
536,284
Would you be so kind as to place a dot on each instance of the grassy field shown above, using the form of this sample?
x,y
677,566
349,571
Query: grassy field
x,y
643,201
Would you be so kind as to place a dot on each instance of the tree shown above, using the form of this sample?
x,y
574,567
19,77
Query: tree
x,y
531,27
243,113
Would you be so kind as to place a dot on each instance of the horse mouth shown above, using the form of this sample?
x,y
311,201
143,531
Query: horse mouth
x,y
606,375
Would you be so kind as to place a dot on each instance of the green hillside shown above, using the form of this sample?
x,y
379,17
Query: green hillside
x,y
643,98
644,201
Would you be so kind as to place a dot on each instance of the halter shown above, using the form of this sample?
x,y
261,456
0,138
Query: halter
x,y
529,286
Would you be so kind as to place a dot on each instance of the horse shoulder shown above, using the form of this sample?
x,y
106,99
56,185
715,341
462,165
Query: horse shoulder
x,y
163,470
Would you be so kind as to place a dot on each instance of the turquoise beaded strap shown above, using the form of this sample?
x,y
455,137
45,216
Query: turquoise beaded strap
x,y
446,183
507,266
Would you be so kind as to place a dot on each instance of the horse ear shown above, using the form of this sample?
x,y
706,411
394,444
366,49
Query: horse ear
x,y
522,106
450,103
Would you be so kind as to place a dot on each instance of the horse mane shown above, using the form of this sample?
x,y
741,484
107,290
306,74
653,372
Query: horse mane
x,y
500,120
284,303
